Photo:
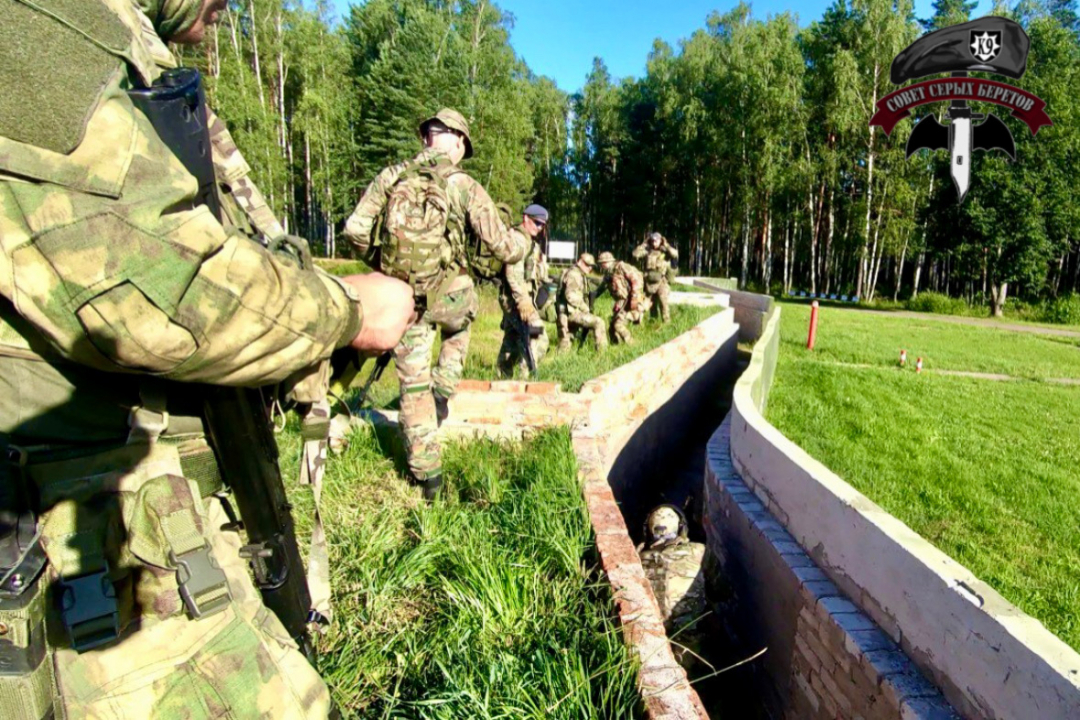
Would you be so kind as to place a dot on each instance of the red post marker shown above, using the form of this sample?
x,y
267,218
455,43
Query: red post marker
x,y
918,365
813,326
903,358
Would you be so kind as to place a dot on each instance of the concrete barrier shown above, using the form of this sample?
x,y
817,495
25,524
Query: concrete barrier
x,y
988,658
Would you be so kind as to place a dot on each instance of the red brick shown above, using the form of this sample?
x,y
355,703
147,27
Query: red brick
x,y
474,385
616,551
543,388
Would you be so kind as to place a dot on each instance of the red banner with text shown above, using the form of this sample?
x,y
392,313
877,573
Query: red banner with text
x,y
897,105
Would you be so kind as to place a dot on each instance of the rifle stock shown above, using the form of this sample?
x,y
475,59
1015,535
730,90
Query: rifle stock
x,y
239,431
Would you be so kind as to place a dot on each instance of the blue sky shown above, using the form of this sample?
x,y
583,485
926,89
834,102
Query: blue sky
x,y
560,38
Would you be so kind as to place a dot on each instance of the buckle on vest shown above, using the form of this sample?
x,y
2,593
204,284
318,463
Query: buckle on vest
x,y
89,610
203,586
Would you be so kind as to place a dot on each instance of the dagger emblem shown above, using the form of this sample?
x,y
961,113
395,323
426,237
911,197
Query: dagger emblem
x,y
960,138
960,143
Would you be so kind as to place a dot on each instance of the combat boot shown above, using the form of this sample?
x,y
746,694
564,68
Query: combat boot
x,y
442,408
431,488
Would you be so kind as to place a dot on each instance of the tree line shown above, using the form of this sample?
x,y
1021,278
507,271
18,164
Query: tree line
x,y
749,145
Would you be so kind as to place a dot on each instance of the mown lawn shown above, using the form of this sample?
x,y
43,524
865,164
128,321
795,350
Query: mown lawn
x,y
985,470
851,336
488,604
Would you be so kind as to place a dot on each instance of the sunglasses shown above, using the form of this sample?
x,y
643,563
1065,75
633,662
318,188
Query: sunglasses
x,y
538,223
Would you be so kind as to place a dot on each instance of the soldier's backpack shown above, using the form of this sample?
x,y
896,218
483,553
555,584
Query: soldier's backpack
x,y
416,247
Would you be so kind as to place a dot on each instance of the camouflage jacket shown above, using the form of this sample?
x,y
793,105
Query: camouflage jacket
x,y
522,280
107,263
675,573
626,284
573,287
471,210
655,263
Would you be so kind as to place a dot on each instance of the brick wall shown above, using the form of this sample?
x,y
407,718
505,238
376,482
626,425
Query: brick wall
x,y
825,658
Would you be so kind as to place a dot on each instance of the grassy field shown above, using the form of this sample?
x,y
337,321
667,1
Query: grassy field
x,y
848,336
488,604
985,470
572,369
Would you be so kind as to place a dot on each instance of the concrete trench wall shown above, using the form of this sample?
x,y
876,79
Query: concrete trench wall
x,y
623,425
863,617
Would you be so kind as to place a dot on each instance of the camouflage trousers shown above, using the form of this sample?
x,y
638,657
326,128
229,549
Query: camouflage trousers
x,y
622,319
577,320
117,514
658,294
511,353
450,317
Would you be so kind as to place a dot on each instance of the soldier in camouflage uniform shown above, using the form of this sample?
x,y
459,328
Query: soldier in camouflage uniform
x,y
656,256
627,288
119,292
572,308
517,297
425,392
673,566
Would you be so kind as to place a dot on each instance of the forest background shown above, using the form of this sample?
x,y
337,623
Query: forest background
x,y
748,145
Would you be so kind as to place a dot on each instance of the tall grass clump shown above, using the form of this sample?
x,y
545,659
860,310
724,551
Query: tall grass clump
x,y
488,604
1064,310
932,302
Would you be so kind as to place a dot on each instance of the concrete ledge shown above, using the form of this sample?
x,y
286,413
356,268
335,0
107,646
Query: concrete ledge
x,y
678,297
989,659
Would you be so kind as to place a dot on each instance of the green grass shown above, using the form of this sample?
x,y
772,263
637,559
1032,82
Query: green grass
x,y
848,336
343,267
985,470
572,369
683,287
488,604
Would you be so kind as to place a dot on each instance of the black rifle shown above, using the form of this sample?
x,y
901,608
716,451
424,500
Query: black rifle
x,y
524,332
237,420
376,373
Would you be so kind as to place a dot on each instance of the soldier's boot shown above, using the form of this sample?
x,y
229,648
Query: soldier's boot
x,y
431,487
442,408
564,345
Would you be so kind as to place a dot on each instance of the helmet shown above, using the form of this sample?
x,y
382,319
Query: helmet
x,y
606,258
588,259
656,237
455,121
665,523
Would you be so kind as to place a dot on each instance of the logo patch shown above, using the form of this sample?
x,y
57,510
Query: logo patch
x,y
985,45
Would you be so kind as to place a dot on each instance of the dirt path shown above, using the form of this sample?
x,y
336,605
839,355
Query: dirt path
x,y
980,322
